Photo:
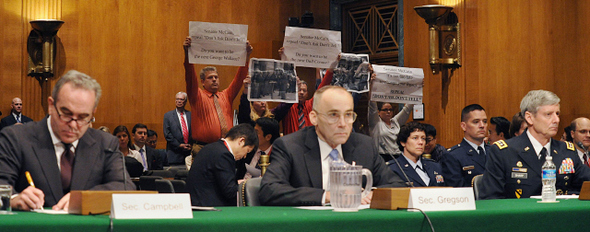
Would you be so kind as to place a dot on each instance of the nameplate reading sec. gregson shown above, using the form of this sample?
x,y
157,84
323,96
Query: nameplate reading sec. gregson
x,y
442,199
151,206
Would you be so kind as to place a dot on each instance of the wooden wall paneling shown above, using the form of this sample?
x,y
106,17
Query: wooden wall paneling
x,y
11,72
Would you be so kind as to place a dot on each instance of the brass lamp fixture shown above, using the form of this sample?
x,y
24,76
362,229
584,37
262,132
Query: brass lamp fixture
x,y
263,163
41,47
445,39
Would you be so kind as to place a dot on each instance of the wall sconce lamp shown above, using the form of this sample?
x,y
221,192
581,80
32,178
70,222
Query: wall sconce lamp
x,y
445,39
41,47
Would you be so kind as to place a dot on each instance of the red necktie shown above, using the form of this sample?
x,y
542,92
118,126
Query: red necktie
x,y
301,117
184,128
66,162
586,160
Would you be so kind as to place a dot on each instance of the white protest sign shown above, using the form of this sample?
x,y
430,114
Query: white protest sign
x,y
397,84
311,47
151,206
218,43
442,199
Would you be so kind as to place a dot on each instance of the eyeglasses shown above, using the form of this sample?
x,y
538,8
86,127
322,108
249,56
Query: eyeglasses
x,y
69,118
583,131
387,110
333,117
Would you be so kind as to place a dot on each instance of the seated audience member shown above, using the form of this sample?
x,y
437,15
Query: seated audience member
x,y
268,131
149,157
152,141
434,149
417,171
514,166
498,129
384,127
467,159
132,157
299,165
212,179
518,125
61,152
580,133
567,136
15,116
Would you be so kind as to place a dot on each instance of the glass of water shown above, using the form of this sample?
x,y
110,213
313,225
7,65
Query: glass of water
x,y
5,193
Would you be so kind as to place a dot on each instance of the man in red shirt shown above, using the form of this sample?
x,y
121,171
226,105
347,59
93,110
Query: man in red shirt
x,y
212,114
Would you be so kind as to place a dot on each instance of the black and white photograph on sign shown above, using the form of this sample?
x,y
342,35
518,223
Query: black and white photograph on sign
x,y
272,80
352,72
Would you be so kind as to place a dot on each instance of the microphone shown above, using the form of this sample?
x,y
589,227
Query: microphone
x,y
110,150
581,145
409,183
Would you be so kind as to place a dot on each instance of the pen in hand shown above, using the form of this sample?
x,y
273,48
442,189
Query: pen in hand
x,y
30,180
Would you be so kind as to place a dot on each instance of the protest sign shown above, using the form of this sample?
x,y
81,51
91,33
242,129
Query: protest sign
x,y
218,43
311,47
397,84
352,72
272,80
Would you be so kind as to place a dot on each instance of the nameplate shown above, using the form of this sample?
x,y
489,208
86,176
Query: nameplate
x,y
151,206
442,199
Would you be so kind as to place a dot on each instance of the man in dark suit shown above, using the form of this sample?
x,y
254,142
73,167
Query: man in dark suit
x,y
152,141
177,132
150,159
15,115
61,152
299,165
467,159
268,130
514,168
212,178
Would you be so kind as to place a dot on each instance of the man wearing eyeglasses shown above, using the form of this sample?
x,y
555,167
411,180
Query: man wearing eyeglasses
x,y
581,135
61,152
299,165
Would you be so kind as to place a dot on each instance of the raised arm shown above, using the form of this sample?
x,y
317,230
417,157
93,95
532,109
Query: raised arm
x,y
236,84
190,77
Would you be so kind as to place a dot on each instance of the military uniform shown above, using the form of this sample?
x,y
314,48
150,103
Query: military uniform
x,y
514,170
461,163
432,168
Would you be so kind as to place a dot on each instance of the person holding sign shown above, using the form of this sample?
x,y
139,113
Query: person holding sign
x,y
212,114
418,172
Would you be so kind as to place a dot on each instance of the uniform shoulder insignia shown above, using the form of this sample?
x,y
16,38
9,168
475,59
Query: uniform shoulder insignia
x,y
454,147
570,146
501,144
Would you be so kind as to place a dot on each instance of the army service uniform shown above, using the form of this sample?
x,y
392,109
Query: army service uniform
x,y
514,170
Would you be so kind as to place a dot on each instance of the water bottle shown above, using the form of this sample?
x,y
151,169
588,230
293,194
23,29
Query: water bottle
x,y
549,179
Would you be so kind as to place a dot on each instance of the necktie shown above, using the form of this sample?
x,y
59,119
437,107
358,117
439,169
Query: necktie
x,y
334,154
143,162
301,117
220,115
184,127
543,155
480,151
586,160
256,159
66,162
423,175
18,118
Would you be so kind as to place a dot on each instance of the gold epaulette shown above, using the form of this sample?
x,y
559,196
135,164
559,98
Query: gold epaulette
x,y
570,146
501,144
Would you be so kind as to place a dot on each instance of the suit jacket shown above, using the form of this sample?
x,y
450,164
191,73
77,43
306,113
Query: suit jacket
x,y
154,159
173,135
10,120
294,176
514,170
432,168
211,180
97,164
461,163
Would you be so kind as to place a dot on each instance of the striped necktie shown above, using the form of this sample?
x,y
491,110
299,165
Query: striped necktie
x,y
301,117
